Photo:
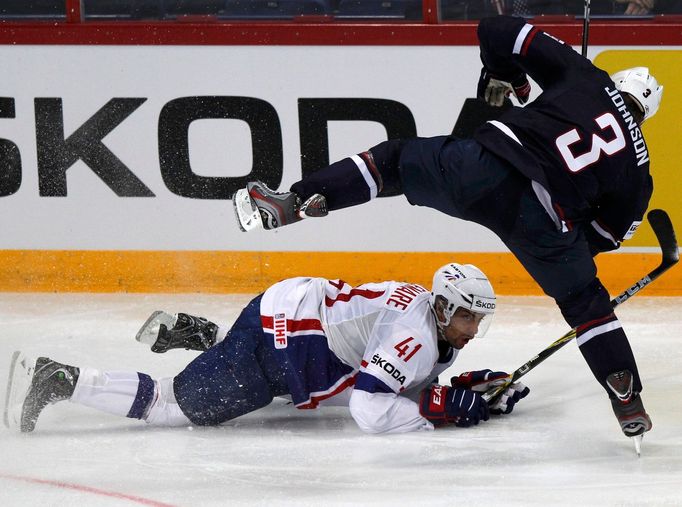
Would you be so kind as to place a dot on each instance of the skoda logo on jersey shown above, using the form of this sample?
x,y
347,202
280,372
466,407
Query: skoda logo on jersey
x,y
388,368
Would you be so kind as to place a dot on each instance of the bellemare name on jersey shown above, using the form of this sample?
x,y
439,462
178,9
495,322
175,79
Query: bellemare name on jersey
x,y
401,297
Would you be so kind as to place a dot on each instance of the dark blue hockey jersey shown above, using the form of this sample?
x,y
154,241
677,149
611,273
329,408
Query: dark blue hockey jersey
x,y
577,140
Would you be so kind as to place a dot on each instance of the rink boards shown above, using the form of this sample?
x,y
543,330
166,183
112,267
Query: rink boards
x,y
120,162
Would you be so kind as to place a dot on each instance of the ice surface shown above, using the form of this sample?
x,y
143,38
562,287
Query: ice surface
x,y
561,446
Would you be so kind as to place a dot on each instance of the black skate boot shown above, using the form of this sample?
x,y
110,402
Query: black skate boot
x,y
34,385
164,331
627,405
258,206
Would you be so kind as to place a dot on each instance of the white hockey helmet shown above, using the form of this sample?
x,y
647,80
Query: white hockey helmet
x,y
642,87
465,286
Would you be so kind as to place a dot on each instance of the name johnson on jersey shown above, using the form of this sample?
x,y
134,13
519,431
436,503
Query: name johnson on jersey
x,y
635,132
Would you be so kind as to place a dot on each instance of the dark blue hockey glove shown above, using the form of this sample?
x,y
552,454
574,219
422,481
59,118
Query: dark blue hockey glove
x,y
442,405
494,89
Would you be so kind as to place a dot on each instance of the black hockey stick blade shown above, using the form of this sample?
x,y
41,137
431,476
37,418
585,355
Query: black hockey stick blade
x,y
474,113
665,234
670,255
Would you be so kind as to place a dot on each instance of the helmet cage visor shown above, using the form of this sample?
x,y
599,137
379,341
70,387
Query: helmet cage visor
x,y
481,306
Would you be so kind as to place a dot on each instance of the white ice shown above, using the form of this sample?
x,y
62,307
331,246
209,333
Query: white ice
x,y
561,446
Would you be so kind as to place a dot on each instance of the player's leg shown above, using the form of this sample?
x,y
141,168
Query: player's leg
x,y
349,182
34,384
562,265
165,331
232,378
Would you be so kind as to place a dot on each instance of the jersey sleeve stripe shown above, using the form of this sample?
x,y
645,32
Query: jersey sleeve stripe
x,y
315,398
603,232
520,42
370,384
529,39
505,129
293,326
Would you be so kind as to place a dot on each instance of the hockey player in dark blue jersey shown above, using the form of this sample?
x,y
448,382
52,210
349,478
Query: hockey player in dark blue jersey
x,y
559,181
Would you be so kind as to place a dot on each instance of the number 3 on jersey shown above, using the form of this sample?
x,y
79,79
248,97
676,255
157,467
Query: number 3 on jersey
x,y
405,347
577,163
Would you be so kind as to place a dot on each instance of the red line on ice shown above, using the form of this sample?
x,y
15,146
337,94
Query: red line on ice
x,y
86,489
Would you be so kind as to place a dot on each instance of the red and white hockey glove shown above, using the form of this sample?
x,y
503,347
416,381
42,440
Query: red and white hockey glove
x,y
484,380
442,405
480,380
494,89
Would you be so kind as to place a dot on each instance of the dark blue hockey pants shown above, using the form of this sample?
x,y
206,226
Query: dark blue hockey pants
x,y
232,378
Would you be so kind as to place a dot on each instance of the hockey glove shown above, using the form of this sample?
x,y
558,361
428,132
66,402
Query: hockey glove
x,y
442,405
504,404
484,380
480,380
494,89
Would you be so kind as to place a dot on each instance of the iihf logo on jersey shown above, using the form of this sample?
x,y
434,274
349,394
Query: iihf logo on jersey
x,y
280,328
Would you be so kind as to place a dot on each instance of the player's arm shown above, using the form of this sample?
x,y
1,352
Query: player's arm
x,y
394,366
511,48
386,371
377,409
617,219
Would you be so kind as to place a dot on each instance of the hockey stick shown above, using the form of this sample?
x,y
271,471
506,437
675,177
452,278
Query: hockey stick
x,y
665,234
586,27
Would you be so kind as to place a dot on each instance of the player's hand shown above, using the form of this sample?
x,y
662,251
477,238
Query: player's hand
x,y
481,380
442,405
504,404
494,90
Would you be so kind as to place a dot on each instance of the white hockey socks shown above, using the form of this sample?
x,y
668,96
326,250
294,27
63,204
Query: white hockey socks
x,y
129,394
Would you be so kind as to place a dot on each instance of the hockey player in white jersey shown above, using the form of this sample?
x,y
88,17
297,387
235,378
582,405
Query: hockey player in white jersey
x,y
377,348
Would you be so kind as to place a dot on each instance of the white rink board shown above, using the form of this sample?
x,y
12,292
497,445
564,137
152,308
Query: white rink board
x,y
432,82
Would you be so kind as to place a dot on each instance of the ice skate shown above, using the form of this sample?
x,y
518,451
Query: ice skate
x,y
32,385
258,206
164,331
628,407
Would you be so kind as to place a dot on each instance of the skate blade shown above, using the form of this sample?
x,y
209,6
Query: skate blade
x,y
149,331
637,439
248,216
19,381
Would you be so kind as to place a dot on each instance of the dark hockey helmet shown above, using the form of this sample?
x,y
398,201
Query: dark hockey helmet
x,y
462,285
642,87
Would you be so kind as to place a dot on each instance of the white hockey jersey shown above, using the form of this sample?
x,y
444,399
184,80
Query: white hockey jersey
x,y
373,347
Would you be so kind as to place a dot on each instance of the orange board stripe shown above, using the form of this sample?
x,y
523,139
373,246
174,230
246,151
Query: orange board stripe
x,y
251,272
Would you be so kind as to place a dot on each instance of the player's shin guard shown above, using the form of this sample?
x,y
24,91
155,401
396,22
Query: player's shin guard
x,y
121,393
346,183
357,179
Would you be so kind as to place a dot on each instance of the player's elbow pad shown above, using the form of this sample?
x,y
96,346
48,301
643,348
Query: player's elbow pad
x,y
367,421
